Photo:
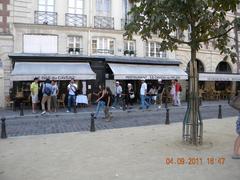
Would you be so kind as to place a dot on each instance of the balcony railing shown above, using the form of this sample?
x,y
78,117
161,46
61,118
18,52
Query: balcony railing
x,y
45,17
77,20
162,54
76,51
124,22
103,51
103,22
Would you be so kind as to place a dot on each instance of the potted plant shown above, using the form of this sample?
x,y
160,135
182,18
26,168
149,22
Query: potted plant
x,y
126,52
70,50
131,53
77,50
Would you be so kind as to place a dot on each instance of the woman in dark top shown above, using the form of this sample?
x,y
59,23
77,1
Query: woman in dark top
x,y
129,96
108,100
101,102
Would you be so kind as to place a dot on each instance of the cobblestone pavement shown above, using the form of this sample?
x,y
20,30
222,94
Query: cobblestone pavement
x,y
76,122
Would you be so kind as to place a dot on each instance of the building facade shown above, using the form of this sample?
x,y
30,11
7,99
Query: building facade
x,y
87,31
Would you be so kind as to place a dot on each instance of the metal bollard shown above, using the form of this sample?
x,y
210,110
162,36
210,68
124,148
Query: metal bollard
x,y
3,129
92,127
14,106
123,104
166,104
167,117
21,109
220,112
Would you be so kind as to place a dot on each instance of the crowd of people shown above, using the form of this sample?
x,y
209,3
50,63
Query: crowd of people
x,y
120,98
49,91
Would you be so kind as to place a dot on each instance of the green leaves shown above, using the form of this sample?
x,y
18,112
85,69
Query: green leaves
x,y
207,18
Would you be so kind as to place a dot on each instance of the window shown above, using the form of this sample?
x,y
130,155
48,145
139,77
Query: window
x,y
45,13
223,67
180,34
238,7
153,49
40,43
129,47
206,44
75,6
46,5
75,45
103,7
127,6
103,45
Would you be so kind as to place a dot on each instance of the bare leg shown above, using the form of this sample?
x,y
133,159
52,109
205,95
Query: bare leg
x,y
44,99
33,107
237,146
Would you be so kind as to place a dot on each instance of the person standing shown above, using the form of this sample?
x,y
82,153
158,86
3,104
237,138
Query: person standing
x,y
54,96
129,96
72,90
101,102
173,93
47,91
178,93
118,95
236,105
236,150
34,94
160,91
152,95
108,99
143,94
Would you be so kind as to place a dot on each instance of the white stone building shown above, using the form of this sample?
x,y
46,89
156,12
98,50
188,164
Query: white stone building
x,y
71,29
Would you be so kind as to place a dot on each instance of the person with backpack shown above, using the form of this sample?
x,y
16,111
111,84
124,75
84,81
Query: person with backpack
x,y
72,91
178,89
46,91
54,94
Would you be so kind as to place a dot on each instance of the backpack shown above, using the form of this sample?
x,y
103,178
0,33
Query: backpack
x,y
47,90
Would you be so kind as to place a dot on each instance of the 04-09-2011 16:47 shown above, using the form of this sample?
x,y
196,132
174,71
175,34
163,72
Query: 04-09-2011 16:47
x,y
194,160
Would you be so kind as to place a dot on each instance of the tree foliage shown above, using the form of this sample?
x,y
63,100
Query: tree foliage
x,y
207,20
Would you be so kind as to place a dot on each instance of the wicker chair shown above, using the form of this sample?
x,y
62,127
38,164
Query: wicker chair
x,y
61,101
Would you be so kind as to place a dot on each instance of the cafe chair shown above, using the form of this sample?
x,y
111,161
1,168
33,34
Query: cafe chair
x,y
9,102
27,101
61,101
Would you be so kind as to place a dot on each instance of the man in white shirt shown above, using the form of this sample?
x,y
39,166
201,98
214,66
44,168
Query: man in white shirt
x,y
143,93
118,95
72,90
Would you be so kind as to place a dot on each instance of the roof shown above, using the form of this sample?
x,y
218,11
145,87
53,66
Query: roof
x,y
78,58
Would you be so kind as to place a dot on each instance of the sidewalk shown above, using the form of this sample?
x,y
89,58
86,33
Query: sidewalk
x,y
138,153
8,113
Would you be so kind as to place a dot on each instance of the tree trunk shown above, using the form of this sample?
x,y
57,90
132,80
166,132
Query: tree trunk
x,y
192,126
193,90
